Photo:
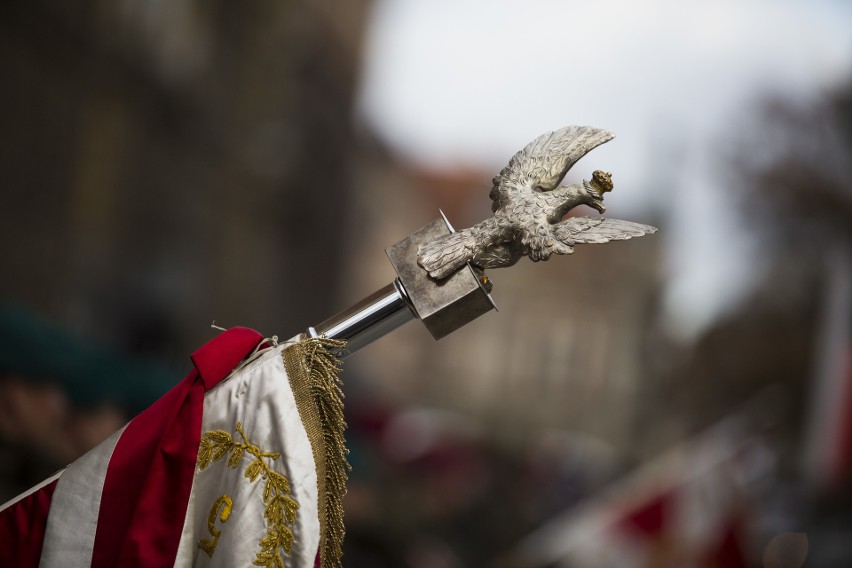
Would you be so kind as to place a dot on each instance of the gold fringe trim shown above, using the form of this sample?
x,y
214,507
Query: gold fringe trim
x,y
314,373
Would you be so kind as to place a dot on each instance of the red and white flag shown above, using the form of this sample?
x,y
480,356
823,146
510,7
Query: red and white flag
x,y
687,508
223,469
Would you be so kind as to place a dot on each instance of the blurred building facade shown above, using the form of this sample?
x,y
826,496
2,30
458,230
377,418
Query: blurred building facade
x,y
169,164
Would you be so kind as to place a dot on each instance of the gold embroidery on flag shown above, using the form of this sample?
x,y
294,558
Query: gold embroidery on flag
x,y
314,373
280,508
226,504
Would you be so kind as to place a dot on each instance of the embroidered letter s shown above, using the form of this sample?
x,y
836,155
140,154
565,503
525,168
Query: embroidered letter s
x,y
225,504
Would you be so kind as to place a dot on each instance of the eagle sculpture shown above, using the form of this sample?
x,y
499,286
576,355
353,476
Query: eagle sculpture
x,y
529,206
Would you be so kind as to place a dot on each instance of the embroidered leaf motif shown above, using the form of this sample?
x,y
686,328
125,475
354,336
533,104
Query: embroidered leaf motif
x,y
218,437
236,456
253,470
280,507
205,455
219,451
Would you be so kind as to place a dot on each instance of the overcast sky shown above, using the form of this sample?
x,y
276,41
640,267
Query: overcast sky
x,y
460,82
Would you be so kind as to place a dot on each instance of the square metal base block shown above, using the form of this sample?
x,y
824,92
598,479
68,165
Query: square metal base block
x,y
444,305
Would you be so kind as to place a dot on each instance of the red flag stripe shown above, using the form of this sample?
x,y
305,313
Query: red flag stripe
x,y
128,470
22,526
149,478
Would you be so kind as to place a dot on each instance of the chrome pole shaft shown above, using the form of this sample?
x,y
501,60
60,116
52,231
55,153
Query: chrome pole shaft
x,y
368,320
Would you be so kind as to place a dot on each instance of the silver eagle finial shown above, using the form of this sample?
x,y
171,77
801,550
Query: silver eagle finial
x,y
529,206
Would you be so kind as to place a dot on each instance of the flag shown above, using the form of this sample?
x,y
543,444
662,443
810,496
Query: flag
x,y
687,507
242,463
828,447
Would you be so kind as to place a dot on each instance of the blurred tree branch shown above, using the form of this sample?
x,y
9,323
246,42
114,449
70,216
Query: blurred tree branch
x,y
791,167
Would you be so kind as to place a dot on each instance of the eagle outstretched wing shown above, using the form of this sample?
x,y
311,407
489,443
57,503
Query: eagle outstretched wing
x,y
581,230
545,161
528,206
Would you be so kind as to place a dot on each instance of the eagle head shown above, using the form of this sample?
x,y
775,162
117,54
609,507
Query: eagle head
x,y
601,181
